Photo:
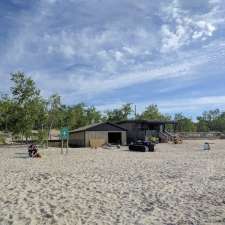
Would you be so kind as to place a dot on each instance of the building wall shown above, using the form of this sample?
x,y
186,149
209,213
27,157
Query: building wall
x,y
139,131
124,137
77,139
134,132
102,135
95,135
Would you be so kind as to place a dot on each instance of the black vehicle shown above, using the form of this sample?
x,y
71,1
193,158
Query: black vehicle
x,y
143,146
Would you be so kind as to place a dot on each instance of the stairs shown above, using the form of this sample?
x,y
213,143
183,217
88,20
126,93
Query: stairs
x,y
171,136
163,137
166,137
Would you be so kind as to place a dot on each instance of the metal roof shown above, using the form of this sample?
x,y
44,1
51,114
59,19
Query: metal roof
x,y
84,128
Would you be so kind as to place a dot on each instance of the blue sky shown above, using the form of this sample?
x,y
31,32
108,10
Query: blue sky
x,y
109,52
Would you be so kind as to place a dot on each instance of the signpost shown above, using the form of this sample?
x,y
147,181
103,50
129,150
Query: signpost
x,y
64,135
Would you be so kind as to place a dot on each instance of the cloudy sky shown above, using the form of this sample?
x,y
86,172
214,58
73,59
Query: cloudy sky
x,y
109,52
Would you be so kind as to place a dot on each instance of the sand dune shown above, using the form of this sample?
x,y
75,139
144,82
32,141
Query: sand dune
x,y
177,184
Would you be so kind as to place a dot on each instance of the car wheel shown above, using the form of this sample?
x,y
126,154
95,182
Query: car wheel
x,y
151,148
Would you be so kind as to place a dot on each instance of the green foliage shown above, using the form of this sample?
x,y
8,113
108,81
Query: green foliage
x,y
55,112
120,114
42,136
152,113
212,120
92,115
6,111
2,139
153,139
76,116
26,104
79,115
70,116
24,89
184,124
202,125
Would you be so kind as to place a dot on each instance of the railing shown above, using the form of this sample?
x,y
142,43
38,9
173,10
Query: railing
x,y
170,136
164,138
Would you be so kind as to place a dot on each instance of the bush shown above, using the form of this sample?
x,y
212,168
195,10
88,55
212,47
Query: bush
x,y
153,139
2,139
42,137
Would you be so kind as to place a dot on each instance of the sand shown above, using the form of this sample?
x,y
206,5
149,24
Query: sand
x,y
177,184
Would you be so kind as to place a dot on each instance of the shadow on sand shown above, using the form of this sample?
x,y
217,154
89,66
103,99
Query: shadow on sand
x,y
21,155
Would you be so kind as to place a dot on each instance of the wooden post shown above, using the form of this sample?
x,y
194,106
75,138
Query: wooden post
x,y
64,134
135,112
67,143
62,146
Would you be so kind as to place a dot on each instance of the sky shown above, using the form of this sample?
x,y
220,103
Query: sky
x,y
110,52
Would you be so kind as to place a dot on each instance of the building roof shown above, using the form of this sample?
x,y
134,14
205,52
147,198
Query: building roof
x,y
153,122
91,126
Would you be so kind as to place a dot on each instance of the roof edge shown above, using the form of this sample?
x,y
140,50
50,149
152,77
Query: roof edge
x,y
88,127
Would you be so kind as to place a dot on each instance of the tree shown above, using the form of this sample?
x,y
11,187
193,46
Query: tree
x,y
211,120
122,113
54,111
6,111
152,113
184,124
219,123
79,115
92,115
76,116
24,89
26,104
202,125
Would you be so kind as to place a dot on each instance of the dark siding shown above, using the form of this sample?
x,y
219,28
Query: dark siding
x,y
137,130
133,132
79,141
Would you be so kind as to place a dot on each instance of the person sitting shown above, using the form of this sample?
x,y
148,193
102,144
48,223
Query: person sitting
x,y
33,151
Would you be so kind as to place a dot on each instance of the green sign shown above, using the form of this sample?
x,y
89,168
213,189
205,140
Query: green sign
x,y
64,133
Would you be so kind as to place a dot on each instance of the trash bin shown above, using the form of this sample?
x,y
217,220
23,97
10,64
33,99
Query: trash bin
x,y
206,146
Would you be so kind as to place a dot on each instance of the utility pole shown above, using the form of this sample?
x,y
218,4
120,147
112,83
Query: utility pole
x,y
135,111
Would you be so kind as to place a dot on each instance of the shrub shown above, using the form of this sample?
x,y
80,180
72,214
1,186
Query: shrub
x,y
153,139
2,139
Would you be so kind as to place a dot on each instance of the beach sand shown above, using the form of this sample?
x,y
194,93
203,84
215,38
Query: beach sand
x,y
177,184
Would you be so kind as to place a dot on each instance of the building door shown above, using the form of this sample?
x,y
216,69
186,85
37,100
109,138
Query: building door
x,y
115,138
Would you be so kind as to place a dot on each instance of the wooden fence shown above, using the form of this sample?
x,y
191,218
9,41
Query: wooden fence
x,y
201,135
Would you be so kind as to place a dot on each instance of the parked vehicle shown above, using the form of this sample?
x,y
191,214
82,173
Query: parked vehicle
x,y
143,146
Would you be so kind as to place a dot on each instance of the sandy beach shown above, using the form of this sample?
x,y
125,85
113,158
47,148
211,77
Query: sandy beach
x,y
177,184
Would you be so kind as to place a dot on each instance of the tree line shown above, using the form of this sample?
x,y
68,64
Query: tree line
x,y
24,110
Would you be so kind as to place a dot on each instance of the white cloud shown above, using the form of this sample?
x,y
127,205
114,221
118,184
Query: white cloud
x,y
173,40
118,56
181,27
194,103
118,81
50,1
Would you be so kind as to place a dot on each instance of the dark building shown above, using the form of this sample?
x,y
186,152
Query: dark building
x,y
106,132
142,129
